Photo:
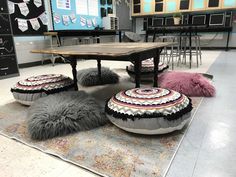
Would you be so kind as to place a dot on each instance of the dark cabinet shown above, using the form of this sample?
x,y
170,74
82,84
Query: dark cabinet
x,y
136,6
213,3
159,5
8,61
184,4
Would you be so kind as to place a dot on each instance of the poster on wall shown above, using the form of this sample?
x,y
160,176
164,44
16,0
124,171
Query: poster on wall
x,y
28,17
84,14
63,4
93,7
81,7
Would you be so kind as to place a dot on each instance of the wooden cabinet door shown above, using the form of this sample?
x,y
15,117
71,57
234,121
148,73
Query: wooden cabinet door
x,y
228,4
184,5
171,6
199,5
213,4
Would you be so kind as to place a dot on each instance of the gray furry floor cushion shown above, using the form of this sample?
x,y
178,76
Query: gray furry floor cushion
x,y
89,77
64,113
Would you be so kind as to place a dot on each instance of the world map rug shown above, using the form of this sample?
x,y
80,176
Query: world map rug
x,y
106,151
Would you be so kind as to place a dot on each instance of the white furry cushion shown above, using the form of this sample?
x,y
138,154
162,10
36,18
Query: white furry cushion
x,y
64,113
89,77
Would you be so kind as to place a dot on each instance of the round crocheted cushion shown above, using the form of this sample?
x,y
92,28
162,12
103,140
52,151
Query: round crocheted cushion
x,y
146,70
149,110
32,88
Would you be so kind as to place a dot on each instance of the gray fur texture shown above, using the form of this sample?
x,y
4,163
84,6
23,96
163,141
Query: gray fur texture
x,y
89,77
63,113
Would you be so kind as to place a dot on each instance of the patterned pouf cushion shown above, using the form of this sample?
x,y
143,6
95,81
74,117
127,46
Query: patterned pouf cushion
x,y
32,88
149,110
146,70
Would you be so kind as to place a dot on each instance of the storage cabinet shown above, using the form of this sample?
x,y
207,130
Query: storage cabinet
x,y
184,5
229,4
171,6
198,5
8,61
136,6
110,22
213,4
159,6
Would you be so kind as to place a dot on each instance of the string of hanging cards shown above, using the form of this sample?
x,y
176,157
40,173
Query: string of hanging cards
x,y
22,23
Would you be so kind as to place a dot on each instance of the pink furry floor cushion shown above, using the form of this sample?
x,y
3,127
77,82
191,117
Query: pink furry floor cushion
x,y
190,84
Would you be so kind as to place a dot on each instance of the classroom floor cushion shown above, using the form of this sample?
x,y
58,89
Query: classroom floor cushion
x,y
32,88
89,77
190,84
64,113
149,110
146,70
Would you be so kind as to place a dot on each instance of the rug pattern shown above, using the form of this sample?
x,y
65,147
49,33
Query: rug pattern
x,y
106,150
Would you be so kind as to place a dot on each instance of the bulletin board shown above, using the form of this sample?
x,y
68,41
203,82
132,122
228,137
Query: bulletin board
x,y
28,17
76,14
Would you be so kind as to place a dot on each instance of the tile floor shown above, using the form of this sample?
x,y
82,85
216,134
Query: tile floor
x,y
208,149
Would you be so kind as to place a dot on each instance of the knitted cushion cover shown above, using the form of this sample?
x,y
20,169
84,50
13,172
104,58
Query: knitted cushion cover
x,y
149,110
147,69
32,88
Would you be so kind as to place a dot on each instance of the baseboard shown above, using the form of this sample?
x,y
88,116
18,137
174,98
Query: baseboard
x,y
217,48
38,63
9,76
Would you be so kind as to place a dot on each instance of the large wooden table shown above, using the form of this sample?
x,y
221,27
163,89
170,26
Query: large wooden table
x,y
134,52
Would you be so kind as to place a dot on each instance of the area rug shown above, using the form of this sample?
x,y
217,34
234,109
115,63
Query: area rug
x,y
106,151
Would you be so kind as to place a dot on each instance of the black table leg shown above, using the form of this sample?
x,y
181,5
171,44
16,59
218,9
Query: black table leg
x,y
156,64
190,49
137,69
120,36
99,70
98,39
154,36
146,36
73,63
227,43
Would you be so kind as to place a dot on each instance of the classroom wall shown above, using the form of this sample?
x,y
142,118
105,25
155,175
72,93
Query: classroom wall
x,y
25,44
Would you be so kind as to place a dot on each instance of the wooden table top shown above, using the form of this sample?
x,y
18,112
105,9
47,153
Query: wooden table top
x,y
104,49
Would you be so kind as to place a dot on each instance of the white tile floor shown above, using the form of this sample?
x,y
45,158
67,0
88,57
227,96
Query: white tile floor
x,y
17,159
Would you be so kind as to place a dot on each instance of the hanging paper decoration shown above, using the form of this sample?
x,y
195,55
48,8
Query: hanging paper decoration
x,y
73,18
65,19
89,23
34,23
43,18
57,18
11,7
94,22
38,3
22,24
82,21
23,9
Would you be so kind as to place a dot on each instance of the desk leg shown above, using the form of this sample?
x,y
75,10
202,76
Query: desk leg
x,y
156,64
146,36
73,63
154,36
227,43
137,69
120,36
99,70
190,49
